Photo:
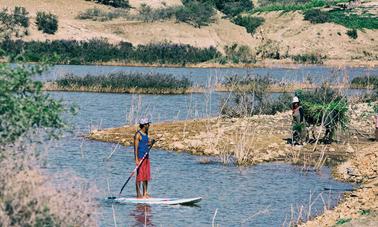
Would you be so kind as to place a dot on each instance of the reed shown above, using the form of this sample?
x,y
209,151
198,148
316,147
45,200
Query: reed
x,y
125,83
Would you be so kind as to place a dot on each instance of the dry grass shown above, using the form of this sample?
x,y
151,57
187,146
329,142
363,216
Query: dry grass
x,y
32,198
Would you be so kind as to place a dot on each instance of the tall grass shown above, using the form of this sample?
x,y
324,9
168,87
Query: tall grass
x,y
128,83
365,82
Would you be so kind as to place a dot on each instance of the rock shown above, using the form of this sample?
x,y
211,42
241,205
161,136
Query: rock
x,y
331,149
178,146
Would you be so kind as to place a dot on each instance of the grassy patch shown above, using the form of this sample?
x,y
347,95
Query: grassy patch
x,y
351,20
126,83
342,221
296,5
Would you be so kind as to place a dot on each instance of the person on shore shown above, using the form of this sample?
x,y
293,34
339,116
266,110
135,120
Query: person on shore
x,y
142,145
299,126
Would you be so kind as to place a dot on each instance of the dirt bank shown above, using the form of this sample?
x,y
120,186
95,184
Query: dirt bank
x,y
264,138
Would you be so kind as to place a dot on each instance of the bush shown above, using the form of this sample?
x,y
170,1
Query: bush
x,y
239,54
308,58
316,16
195,13
352,33
233,7
47,22
97,14
269,49
13,23
250,23
114,3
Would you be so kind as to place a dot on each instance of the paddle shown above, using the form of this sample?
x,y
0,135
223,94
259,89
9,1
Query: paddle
x,y
137,167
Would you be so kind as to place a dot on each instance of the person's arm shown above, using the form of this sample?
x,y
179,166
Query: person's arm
x,y
136,145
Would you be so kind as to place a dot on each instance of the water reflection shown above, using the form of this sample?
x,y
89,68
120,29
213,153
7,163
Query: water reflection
x,y
142,215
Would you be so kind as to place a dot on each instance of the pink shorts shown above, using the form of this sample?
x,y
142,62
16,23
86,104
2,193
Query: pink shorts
x,y
143,173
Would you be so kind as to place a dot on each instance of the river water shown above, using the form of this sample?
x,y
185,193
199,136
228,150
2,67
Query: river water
x,y
261,195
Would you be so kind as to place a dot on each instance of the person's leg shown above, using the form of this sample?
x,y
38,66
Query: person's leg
x,y
137,186
145,192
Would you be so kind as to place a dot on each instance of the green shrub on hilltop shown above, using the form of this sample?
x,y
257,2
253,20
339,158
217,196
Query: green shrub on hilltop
x,y
316,16
250,23
195,13
47,22
352,33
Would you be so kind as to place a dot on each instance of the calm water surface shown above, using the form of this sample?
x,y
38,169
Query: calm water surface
x,y
261,195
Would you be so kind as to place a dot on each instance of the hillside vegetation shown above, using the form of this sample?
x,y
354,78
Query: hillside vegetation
x,y
269,31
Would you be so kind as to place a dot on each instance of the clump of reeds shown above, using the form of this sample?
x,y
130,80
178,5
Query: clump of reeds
x,y
126,83
369,82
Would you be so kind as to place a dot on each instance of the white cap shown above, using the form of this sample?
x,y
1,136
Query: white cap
x,y
144,121
295,99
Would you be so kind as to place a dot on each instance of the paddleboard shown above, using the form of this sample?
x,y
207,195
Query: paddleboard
x,y
164,201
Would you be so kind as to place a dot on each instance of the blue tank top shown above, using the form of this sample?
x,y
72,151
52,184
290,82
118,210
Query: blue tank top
x,y
143,145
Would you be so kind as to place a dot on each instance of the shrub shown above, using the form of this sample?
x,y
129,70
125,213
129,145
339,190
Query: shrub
x,y
47,22
13,23
352,33
269,49
308,58
250,23
316,16
239,54
195,13
233,7
114,3
97,14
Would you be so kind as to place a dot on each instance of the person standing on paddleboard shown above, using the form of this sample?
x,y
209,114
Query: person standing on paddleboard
x,y
142,145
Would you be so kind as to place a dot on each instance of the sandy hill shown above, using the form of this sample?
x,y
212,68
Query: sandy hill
x,y
289,30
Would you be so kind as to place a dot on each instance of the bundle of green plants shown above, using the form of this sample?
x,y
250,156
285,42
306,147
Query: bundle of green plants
x,y
294,5
113,3
365,82
250,23
146,83
47,22
324,106
100,50
308,58
97,14
13,23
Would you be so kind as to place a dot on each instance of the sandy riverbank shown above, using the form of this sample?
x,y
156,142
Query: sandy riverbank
x,y
264,138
